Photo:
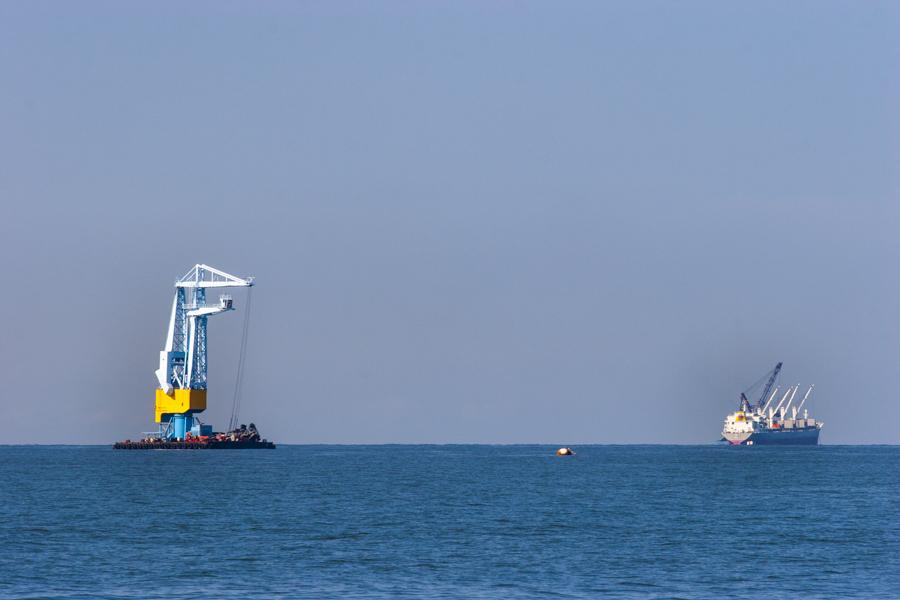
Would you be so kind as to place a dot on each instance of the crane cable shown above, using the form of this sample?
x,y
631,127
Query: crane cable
x,y
758,382
239,377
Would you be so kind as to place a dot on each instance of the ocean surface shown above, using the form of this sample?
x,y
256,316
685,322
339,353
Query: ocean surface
x,y
451,522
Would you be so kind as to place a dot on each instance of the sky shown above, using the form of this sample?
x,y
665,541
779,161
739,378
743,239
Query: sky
x,y
503,222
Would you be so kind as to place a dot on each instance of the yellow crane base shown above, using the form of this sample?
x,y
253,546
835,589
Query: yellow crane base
x,y
179,402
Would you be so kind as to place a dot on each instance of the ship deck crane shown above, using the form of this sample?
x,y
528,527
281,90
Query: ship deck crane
x,y
771,397
808,392
183,362
772,378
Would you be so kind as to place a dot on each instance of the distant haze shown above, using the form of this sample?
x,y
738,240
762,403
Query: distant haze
x,y
469,222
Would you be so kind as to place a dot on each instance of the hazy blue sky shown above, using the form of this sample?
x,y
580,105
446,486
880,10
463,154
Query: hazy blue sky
x,y
503,222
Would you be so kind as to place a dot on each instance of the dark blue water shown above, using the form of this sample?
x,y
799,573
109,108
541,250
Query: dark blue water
x,y
451,522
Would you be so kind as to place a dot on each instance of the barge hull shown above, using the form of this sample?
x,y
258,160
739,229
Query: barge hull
x,y
211,445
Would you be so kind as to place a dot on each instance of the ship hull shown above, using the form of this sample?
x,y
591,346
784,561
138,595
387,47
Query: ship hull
x,y
776,437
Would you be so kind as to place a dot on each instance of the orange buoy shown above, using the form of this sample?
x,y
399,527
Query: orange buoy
x,y
565,452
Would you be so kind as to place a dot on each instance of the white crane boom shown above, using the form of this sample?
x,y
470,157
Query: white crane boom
x,y
808,392
783,398
183,360
788,405
204,276
775,391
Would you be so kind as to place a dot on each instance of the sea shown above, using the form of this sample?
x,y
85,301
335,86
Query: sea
x,y
455,521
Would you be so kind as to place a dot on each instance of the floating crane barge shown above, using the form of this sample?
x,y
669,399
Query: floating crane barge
x,y
181,394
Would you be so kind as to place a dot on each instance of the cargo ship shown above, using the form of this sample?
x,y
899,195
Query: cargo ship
x,y
772,419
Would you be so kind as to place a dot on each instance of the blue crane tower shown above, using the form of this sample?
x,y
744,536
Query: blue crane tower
x,y
773,376
182,363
